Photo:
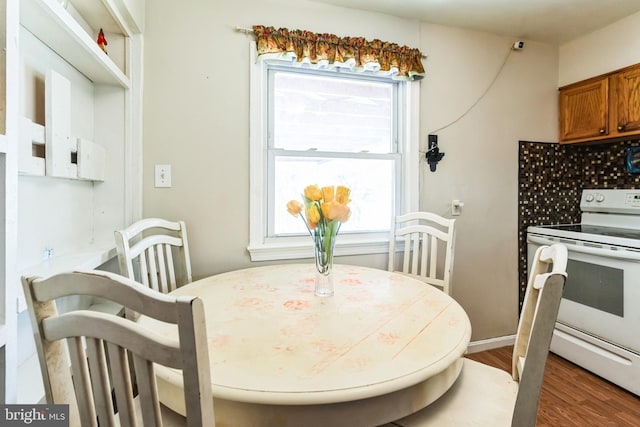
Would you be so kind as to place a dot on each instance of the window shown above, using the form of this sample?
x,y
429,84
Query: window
x,y
329,128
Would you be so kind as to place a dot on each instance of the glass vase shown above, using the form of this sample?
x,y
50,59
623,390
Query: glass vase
x,y
324,269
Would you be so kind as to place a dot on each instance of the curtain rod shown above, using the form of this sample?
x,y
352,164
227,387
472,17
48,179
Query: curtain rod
x,y
244,30
250,31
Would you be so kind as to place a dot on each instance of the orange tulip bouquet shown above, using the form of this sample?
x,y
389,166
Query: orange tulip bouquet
x,y
325,209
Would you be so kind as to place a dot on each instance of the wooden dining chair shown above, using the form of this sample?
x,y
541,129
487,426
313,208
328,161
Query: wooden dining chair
x,y
155,252
85,355
487,396
427,252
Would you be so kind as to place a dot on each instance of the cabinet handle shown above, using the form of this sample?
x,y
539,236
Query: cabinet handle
x,y
621,127
602,131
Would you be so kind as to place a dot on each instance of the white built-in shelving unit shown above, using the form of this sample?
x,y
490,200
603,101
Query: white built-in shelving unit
x,y
9,60
70,141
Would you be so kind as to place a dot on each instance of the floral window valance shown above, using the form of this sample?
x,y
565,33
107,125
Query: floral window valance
x,y
330,51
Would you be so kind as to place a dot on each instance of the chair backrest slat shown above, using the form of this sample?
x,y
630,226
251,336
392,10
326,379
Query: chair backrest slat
x,y
171,283
144,270
161,267
99,374
152,263
145,377
415,253
406,254
433,262
83,401
122,383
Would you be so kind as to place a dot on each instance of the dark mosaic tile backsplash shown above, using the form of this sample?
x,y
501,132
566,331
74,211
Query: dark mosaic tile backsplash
x,y
551,178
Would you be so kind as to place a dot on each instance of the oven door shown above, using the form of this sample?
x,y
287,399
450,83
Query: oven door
x,y
602,293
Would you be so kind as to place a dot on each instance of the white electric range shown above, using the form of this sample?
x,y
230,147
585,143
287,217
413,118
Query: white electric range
x,y
598,324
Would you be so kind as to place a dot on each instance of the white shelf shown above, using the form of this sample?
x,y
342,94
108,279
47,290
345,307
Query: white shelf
x,y
55,27
87,259
113,16
3,143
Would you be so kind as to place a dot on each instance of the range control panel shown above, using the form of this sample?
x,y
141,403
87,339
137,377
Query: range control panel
x,y
614,201
633,200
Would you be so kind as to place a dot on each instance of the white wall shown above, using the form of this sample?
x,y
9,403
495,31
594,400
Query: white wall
x,y
480,166
196,110
196,113
608,49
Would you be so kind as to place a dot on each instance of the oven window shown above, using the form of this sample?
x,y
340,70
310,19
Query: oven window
x,y
596,286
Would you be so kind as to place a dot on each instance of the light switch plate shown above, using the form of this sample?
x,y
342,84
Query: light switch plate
x,y
163,176
456,207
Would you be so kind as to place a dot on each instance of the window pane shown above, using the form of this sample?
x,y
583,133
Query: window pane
x,y
311,111
370,181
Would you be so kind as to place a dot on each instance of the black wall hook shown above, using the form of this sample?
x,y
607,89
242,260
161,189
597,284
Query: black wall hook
x,y
433,152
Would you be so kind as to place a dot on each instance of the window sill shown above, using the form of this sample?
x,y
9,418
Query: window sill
x,y
302,247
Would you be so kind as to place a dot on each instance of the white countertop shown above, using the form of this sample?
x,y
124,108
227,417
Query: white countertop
x,y
86,258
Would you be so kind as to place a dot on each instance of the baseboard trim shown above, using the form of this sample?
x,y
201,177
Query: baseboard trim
x,y
490,343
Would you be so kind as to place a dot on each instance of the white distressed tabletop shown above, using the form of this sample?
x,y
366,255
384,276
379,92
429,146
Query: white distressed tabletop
x,y
272,341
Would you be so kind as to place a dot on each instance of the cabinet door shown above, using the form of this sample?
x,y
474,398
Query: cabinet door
x,y
583,110
628,100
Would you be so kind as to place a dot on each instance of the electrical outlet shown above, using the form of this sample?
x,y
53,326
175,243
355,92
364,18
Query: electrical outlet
x,y
456,207
163,176
47,254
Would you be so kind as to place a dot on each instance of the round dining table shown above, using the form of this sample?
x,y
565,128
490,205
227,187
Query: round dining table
x,y
382,347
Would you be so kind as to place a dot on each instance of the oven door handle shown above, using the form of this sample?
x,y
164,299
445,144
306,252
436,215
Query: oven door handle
x,y
608,253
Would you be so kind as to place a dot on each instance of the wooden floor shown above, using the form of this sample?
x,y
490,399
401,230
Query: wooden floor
x,y
572,396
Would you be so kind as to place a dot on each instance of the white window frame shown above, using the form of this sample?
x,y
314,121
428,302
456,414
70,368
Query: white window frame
x,y
263,248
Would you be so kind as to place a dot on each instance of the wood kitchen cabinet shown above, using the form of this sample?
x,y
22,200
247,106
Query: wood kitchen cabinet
x,y
627,97
584,111
602,108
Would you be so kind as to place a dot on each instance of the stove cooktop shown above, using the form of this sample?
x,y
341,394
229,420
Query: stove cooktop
x,y
608,217
591,233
